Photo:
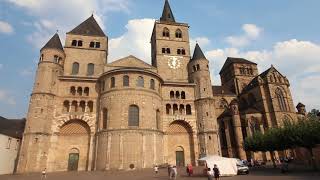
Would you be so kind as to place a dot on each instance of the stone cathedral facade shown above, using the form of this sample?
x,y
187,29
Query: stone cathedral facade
x,y
88,114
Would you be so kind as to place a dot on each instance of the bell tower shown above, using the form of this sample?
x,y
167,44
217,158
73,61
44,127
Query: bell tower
x,y
170,48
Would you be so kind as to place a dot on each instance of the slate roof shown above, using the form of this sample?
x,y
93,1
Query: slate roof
x,y
167,14
12,127
300,105
221,90
198,54
231,60
88,27
53,43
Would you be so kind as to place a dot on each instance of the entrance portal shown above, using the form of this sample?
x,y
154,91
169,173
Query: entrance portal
x,y
73,161
180,144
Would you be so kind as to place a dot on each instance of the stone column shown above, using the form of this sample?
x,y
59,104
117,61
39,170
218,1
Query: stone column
x,y
228,138
237,130
90,154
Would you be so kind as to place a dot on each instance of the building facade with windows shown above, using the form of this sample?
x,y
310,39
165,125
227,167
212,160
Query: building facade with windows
x,y
86,113
11,131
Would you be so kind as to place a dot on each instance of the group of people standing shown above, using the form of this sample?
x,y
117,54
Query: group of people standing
x,y
172,171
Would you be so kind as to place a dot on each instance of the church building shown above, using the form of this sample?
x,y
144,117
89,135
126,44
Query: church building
x,y
86,113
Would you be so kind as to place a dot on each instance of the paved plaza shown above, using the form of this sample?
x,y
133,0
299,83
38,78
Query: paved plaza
x,y
148,174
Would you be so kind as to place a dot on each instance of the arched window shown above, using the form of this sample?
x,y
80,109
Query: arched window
x,y
140,81
79,43
82,106
73,90
252,99
152,85
223,103
168,108
90,106
158,118
175,109
181,109
41,57
166,32
168,51
90,69
74,43
56,58
112,82
79,91
103,84
177,94
66,106
75,68
74,106
181,51
194,68
198,67
92,44
171,94
183,95
281,100
125,81
104,118
188,109
86,91
178,33
133,115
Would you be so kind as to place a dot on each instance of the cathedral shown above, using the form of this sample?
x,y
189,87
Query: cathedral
x,y
86,113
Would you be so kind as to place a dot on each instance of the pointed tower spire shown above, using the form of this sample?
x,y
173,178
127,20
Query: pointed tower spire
x,y
167,14
89,27
53,43
198,54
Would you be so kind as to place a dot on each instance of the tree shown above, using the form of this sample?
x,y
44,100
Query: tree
x,y
305,133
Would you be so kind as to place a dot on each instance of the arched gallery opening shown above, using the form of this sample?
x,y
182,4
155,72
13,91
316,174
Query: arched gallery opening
x,y
73,146
180,144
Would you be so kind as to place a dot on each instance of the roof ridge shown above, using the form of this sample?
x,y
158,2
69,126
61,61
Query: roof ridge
x,y
54,43
89,27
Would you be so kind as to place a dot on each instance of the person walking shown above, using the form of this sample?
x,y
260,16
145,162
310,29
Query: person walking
x,y
174,172
44,174
156,169
210,174
216,172
189,169
169,171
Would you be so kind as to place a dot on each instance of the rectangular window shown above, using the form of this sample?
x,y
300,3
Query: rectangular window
x,y
9,143
97,44
17,144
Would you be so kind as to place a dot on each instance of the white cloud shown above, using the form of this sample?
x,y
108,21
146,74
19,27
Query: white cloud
x,y
135,41
65,16
6,28
202,41
251,32
298,60
26,72
6,97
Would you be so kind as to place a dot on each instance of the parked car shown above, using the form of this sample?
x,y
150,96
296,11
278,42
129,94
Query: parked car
x,y
242,169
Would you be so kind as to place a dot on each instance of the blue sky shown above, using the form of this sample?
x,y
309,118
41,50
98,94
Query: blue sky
x,y
283,33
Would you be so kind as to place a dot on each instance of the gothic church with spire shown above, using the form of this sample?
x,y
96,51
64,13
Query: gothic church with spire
x,y
86,113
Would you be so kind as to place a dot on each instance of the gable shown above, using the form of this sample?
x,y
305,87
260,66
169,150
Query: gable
x,y
130,62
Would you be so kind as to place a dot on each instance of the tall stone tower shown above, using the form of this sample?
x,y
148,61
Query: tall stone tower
x,y
35,145
207,125
170,49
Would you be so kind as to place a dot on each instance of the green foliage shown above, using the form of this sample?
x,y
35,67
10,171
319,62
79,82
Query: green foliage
x,y
304,133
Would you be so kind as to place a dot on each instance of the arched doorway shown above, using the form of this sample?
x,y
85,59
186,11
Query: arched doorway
x,y
73,146
180,143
